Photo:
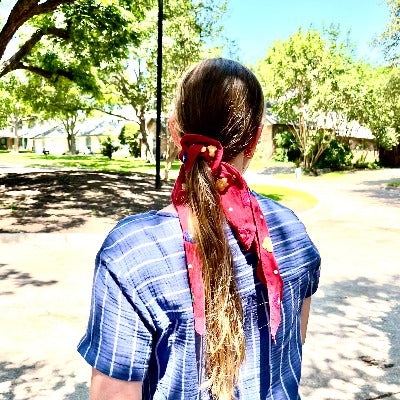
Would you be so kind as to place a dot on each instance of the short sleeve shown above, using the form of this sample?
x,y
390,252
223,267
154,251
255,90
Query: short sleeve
x,y
117,342
314,281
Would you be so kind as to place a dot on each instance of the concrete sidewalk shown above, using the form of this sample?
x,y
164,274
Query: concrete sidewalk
x,y
353,345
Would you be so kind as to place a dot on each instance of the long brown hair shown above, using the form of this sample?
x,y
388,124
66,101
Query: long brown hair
x,y
221,99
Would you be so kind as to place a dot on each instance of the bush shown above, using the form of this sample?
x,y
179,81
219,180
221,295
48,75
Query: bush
x,y
108,147
336,156
129,135
360,164
286,147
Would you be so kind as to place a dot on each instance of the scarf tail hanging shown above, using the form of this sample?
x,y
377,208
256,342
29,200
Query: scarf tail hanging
x,y
244,215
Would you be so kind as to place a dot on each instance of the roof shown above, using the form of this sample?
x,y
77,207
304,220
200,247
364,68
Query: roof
x,y
352,129
52,129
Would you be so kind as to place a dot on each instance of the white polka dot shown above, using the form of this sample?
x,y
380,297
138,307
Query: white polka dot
x,y
230,209
190,266
276,271
262,216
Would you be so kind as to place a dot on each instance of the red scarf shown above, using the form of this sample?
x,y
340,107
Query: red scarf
x,y
244,215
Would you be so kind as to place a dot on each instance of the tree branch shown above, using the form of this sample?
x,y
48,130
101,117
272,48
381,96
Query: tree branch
x,y
44,73
12,62
22,12
110,113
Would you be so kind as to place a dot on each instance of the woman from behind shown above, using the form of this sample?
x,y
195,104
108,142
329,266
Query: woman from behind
x,y
209,297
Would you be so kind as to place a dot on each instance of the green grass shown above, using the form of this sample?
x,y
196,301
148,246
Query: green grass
x,y
101,163
394,184
92,162
296,200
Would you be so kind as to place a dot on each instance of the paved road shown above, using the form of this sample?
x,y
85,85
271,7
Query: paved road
x,y
353,346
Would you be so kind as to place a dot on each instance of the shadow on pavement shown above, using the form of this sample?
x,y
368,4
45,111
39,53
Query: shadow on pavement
x,y
359,359
56,201
81,392
277,170
11,377
379,190
25,382
20,279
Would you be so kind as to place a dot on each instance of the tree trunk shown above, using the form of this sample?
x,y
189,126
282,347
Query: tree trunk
x,y
149,156
69,126
172,152
16,137
71,143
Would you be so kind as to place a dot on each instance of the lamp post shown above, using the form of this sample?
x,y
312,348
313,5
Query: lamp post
x,y
159,76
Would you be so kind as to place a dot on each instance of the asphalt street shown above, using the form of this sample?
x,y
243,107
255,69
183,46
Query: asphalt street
x,y
353,345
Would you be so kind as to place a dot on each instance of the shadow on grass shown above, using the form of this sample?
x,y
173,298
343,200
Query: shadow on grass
x,y
56,201
273,196
363,316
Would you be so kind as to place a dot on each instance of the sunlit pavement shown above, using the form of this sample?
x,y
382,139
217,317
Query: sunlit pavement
x,y
353,344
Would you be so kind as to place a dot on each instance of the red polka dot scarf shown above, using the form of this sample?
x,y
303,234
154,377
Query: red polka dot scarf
x,y
244,215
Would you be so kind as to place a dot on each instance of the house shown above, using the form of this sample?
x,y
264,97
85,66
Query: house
x,y
360,139
52,137
90,134
7,139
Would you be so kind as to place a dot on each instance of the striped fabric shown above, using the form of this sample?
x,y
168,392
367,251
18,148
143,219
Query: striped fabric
x,y
141,321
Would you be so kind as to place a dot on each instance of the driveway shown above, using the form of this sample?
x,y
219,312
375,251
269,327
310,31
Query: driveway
x,y
353,345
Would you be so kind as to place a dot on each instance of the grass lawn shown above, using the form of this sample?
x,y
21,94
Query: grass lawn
x,y
296,200
394,184
91,162
100,163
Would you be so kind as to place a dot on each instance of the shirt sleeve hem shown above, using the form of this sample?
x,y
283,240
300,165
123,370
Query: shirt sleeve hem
x,y
135,374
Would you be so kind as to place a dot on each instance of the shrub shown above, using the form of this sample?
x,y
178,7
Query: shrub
x,y
336,156
129,135
286,147
108,147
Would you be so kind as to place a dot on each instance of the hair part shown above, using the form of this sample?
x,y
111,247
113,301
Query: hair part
x,y
221,99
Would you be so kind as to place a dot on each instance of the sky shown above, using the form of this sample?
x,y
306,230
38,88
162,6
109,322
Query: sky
x,y
255,24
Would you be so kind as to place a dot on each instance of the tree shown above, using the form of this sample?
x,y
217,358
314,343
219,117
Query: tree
x,y
390,39
108,147
381,111
79,36
187,25
22,12
108,48
313,85
61,100
14,110
129,136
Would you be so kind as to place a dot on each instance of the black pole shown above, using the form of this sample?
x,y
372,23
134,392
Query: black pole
x,y
159,76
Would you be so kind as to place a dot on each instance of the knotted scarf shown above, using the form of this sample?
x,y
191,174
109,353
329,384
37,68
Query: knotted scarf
x,y
243,214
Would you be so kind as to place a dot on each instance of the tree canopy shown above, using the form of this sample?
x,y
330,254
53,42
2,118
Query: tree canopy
x,y
390,39
106,50
313,86
22,12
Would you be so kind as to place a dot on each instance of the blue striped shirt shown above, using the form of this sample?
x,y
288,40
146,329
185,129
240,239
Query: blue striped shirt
x,y
141,321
